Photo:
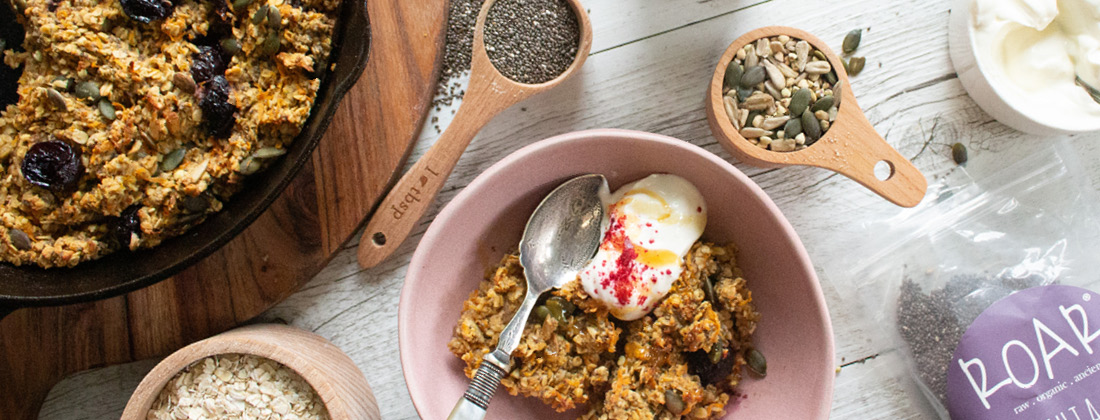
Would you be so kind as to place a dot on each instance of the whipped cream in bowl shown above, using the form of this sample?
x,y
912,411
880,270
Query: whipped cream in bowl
x,y
651,224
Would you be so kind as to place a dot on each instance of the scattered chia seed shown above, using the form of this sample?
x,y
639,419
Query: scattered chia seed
x,y
531,41
932,324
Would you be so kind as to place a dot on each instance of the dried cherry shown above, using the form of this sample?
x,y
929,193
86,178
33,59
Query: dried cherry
x,y
710,373
125,225
146,11
53,164
207,63
218,113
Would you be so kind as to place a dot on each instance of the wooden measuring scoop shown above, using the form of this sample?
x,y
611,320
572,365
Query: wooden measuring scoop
x,y
850,146
488,93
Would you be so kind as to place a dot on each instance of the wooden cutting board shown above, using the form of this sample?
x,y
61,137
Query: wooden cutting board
x,y
356,162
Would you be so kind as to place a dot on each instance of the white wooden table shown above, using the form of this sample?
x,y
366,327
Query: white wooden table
x,y
650,64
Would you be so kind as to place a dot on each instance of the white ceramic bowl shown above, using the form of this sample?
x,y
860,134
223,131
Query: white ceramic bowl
x,y
988,95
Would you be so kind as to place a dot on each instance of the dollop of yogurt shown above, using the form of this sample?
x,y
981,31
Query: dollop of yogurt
x,y
1032,50
652,224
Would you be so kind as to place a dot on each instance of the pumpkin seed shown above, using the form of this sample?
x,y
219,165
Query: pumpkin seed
x,y
855,65
715,353
800,100
184,82
823,104
820,55
268,152
270,44
708,287
793,128
753,76
231,46
19,239
958,153
172,160
249,166
810,127
540,313
851,41
241,4
195,204
87,90
260,15
831,78
757,363
560,309
56,99
744,93
107,109
674,403
733,75
274,18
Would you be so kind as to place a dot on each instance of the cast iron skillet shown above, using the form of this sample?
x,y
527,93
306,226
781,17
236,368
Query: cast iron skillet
x,y
122,272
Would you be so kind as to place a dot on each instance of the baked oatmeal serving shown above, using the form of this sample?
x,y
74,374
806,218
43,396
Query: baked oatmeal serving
x,y
138,118
657,326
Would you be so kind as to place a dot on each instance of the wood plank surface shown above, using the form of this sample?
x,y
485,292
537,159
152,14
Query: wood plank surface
x,y
649,69
368,141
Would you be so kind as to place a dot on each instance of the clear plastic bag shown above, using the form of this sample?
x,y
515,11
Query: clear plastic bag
x,y
924,274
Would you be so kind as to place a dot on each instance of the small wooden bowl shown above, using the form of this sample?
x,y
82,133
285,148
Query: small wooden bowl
x,y
340,384
850,147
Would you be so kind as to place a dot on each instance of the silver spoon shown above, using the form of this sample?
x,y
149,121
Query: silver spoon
x,y
561,237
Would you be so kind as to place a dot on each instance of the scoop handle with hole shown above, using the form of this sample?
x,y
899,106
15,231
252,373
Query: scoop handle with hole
x,y
850,147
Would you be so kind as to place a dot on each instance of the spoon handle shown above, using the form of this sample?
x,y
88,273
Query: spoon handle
x,y
496,364
415,192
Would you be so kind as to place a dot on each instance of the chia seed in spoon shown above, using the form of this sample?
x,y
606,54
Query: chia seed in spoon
x,y
531,41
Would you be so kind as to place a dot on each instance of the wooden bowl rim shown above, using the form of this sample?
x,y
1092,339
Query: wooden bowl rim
x,y
230,342
742,146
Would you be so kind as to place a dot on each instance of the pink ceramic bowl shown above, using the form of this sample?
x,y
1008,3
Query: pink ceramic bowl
x,y
487,219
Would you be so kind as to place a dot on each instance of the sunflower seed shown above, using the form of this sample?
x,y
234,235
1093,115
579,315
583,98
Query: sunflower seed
x,y
818,67
753,132
802,51
773,123
751,59
758,101
19,239
774,74
249,166
56,99
184,82
268,152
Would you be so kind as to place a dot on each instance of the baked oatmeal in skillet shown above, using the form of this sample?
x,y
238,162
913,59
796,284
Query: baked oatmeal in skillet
x,y
138,118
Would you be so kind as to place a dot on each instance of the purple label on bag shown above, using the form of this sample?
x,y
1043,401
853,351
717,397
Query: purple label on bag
x,y
1032,355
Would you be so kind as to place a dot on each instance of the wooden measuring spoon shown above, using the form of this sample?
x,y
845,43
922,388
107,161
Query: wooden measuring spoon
x,y
850,147
488,93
